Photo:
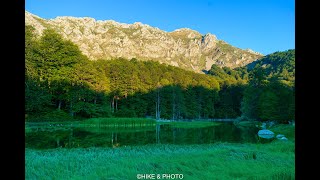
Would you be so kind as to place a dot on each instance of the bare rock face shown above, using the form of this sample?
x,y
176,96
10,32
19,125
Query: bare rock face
x,y
184,48
209,41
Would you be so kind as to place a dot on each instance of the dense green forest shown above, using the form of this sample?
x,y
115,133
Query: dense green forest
x,y
63,84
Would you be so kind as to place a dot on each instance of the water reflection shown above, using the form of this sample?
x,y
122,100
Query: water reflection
x,y
158,134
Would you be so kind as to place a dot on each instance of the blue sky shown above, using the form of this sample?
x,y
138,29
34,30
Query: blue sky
x,y
265,26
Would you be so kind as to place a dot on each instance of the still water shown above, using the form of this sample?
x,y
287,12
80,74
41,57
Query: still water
x,y
72,137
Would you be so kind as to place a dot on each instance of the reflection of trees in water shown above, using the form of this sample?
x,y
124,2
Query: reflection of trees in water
x,y
174,132
246,134
158,133
164,134
114,140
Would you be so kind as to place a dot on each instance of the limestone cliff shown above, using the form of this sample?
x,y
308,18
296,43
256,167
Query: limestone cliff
x,y
184,48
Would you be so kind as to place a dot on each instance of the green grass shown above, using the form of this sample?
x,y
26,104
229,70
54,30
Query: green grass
x,y
94,124
213,161
225,47
118,122
287,130
96,121
120,129
122,122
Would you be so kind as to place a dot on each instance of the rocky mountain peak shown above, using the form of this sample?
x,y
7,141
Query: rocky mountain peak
x,y
208,41
105,39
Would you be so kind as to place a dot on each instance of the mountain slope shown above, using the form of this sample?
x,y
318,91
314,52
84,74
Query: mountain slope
x,y
279,64
184,48
276,62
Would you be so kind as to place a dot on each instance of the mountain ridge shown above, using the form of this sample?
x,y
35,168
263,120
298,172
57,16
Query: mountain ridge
x,y
107,39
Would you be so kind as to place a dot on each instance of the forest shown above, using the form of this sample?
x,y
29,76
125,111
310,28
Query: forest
x,y
62,84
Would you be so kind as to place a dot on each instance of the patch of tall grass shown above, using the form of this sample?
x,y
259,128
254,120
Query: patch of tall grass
x,y
116,120
211,161
285,129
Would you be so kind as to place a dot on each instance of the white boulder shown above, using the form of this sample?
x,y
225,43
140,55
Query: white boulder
x,y
267,134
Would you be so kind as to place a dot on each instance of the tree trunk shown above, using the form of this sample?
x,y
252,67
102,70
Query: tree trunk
x,y
156,110
59,105
173,104
112,105
116,105
158,105
71,112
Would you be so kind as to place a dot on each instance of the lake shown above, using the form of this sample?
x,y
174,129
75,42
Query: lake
x,y
47,137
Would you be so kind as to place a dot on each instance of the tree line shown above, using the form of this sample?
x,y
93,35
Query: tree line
x,y
63,84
